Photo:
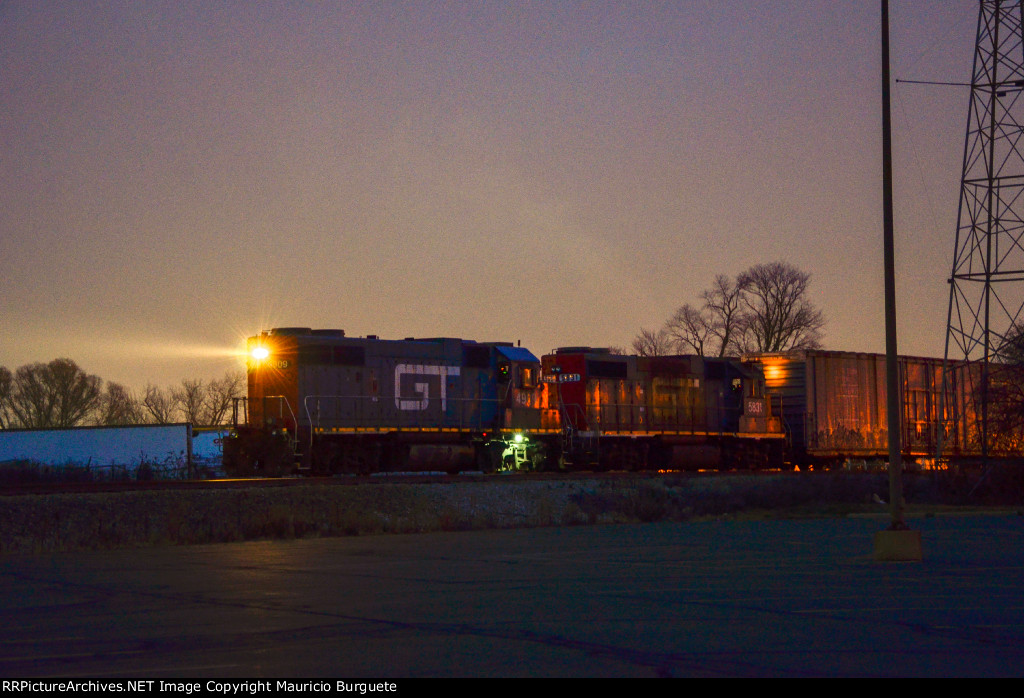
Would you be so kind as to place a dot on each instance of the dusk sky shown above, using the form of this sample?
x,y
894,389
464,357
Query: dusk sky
x,y
179,175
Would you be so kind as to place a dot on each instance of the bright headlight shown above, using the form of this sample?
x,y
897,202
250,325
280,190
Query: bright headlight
x,y
260,353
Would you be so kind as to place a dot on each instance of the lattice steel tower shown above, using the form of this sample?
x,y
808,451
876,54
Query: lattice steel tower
x,y
986,295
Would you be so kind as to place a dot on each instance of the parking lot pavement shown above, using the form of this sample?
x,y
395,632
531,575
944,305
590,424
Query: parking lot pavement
x,y
715,598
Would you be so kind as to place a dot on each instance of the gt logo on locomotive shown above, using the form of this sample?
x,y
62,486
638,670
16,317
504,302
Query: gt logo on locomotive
x,y
421,387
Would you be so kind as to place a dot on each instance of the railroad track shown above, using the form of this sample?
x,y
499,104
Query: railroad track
x,y
30,488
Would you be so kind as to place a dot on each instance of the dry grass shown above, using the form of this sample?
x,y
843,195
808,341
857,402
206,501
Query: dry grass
x,y
60,522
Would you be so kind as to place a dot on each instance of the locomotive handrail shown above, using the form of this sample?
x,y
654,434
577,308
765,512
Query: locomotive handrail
x,y
577,412
235,402
653,418
245,402
360,417
281,399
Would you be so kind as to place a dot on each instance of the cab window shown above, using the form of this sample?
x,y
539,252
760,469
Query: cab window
x,y
527,377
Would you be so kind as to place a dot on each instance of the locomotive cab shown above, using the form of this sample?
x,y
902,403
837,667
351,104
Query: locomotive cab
x,y
522,396
744,408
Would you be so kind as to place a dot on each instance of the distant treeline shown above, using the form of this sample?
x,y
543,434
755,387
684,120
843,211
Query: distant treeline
x,y
59,394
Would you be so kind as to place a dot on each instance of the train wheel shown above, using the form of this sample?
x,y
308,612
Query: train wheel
x,y
632,459
367,458
659,456
491,453
394,456
345,461
323,458
258,454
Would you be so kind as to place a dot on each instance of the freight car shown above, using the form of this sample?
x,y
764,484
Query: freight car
x,y
334,404
677,412
833,406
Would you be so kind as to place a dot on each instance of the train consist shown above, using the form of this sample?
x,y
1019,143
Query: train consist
x,y
326,403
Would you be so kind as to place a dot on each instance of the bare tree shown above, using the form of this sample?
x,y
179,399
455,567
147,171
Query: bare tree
x,y
59,394
194,400
160,405
220,395
190,397
54,395
1011,351
714,328
5,394
690,330
652,343
778,316
764,310
117,407
723,304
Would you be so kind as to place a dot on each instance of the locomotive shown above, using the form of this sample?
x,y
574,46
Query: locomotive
x,y
333,404
325,403
676,412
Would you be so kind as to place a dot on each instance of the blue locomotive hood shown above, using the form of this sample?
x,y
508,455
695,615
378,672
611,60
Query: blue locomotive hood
x,y
517,354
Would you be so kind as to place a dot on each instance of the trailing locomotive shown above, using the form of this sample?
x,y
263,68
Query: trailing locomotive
x,y
335,404
678,412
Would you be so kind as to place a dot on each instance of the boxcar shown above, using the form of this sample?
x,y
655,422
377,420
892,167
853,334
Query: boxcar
x,y
333,404
833,405
637,412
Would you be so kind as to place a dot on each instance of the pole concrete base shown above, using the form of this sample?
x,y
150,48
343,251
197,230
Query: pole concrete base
x,y
898,546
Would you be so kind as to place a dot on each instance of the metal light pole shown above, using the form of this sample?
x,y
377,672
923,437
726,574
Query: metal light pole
x,y
897,543
891,367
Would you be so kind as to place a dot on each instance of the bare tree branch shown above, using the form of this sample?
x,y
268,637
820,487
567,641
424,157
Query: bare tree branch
x,y
1006,391
190,397
723,303
691,330
764,310
779,316
5,395
54,395
652,343
117,407
160,405
220,394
